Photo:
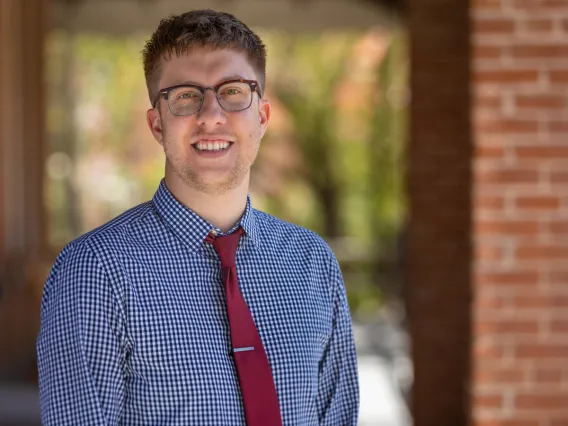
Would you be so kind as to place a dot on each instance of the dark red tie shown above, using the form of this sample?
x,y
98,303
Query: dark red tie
x,y
255,377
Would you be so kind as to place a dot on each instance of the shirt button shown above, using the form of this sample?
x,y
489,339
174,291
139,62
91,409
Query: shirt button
x,y
213,232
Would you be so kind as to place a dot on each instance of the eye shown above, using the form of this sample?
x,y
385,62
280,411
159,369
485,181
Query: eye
x,y
188,95
231,91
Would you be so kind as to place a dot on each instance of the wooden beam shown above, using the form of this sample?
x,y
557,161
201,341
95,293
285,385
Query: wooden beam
x,y
22,108
124,17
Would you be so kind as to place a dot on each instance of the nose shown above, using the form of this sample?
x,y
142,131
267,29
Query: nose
x,y
211,112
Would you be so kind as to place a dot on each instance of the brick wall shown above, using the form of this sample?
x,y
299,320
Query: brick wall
x,y
520,111
488,239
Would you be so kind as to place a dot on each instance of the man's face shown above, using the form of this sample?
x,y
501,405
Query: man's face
x,y
211,172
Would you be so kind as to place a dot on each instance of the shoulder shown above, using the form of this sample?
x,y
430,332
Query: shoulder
x,y
278,232
85,259
125,223
87,249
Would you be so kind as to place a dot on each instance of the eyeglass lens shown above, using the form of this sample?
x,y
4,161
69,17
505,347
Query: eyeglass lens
x,y
233,96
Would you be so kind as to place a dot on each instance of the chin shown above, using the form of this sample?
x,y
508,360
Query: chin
x,y
213,183
216,189
212,187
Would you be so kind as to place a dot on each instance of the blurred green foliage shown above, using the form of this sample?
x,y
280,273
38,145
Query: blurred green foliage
x,y
331,161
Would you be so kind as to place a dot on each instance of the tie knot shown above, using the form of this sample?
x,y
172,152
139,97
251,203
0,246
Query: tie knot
x,y
226,247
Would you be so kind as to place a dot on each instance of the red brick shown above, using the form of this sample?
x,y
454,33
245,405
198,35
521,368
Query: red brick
x,y
560,177
489,202
558,419
487,5
541,351
558,101
488,253
530,302
494,400
549,376
504,326
540,5
539,51
538,25
481,51
541,203
490,350
541,252
489,151
503,126
559,275
489,302
559,326
498,375
493,26
558,76
542,151
508,278
540,302
507,76
505,227
507,422
484,101
539,400
559,126
507,176
557,227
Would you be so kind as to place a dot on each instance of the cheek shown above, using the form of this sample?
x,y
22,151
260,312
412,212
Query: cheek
x,y
176,130
247,124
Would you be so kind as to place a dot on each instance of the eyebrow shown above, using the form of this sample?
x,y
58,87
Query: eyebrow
x,y
222,80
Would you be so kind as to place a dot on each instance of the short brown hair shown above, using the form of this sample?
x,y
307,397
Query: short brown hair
x,y
201,28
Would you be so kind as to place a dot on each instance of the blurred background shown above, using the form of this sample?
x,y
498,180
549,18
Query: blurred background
x,y
447,209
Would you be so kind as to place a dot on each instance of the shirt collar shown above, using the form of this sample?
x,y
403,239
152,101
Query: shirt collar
x,y
192,228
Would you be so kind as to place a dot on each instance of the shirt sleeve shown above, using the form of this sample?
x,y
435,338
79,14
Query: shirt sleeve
x,y
80,343
338,387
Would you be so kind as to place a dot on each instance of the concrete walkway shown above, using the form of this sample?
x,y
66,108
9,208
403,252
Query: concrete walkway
x,y
18,405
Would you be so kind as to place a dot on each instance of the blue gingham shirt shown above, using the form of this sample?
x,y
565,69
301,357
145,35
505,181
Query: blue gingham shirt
x,y
134,329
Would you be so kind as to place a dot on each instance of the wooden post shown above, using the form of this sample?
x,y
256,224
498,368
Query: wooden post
x,y
22,108
22,213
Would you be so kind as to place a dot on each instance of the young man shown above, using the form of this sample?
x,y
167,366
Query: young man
x,y
195,308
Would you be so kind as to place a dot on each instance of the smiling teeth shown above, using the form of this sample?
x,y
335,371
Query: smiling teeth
x,y
203,146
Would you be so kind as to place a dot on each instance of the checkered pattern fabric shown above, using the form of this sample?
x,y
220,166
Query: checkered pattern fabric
x,y
134,329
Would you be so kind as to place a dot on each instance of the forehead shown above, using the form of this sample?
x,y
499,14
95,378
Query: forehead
x,y
205,66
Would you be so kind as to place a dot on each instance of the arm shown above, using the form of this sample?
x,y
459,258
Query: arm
x,y
80,343
338,389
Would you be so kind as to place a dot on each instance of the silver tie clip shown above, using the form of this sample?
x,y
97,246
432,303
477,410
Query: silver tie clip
x,y
248,348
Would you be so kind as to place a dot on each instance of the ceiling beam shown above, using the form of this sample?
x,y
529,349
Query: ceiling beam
x,y
120,17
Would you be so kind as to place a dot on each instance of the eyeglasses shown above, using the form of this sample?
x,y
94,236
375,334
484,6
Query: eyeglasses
x,y
233,95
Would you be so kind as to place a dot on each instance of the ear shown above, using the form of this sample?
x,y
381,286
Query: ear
x,y
264,115
154,122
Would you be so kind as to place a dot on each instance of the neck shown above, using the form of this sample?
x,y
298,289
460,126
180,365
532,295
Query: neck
x,y
221,210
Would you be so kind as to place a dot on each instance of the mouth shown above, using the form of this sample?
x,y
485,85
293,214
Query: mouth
x,y
212,145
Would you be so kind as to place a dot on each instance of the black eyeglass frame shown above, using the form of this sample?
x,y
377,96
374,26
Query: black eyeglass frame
x,y
254,87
